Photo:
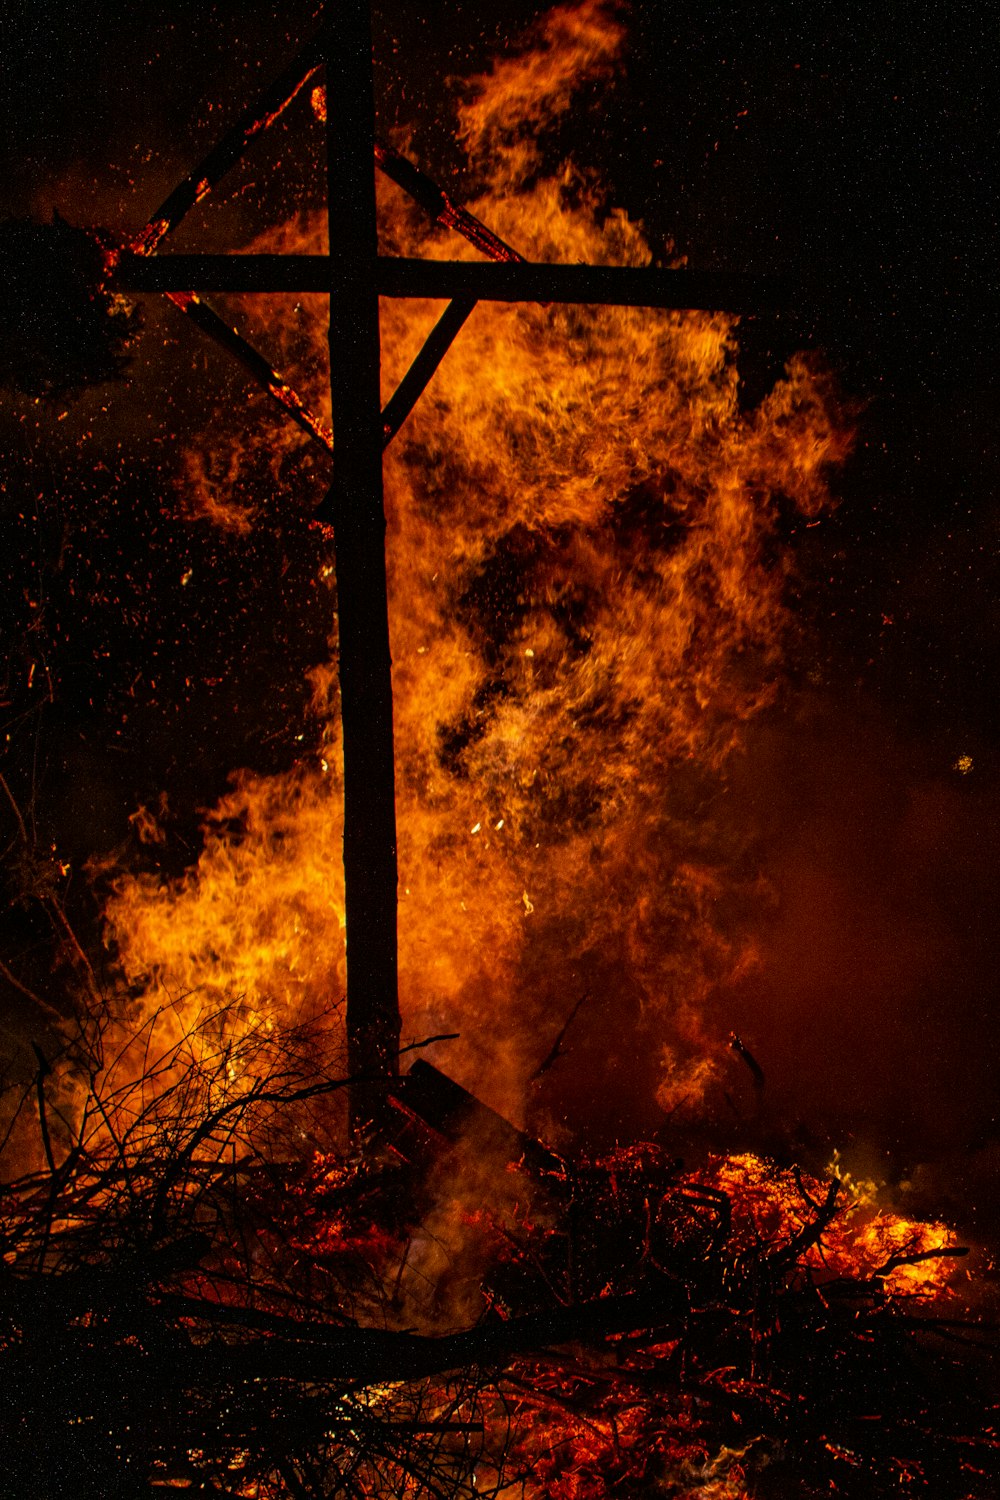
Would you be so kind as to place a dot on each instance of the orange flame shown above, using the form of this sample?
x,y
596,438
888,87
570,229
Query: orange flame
x,y
586,610
863,1241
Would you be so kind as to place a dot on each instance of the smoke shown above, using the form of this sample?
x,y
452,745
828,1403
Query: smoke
x,y
870,1005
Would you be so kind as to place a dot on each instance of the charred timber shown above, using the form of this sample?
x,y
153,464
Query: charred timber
x,y
424,367
201,179
486,281
257,367
355,507
361,1356
454,1113
442,209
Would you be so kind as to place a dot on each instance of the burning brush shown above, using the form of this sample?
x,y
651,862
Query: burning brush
x,y
191,1300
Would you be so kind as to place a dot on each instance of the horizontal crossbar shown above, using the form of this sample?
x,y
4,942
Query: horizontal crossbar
x,y
627,286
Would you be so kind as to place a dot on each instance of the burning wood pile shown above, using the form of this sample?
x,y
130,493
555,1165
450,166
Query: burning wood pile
x,y
201,1292
214,1282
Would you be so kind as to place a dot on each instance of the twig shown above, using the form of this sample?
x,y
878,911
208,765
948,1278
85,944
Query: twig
x,y
446,1036
555,1051
746,1056
44,1071
17,811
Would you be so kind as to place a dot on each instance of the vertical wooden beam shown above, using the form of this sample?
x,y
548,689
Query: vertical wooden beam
x,y
356,510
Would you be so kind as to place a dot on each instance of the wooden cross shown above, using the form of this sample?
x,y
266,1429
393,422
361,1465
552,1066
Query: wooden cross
x,y
355,276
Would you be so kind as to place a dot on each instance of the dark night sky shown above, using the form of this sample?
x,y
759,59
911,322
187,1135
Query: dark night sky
x,y
850,146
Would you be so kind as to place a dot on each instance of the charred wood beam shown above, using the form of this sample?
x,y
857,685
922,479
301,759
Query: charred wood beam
x,y
354,505
483,281
621,286
201,179
257,367
453,1112
450,215
420,373
442,208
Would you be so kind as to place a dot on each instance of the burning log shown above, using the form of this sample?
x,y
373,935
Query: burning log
x,y
257,367
441,206
453,1113
199,182
484,281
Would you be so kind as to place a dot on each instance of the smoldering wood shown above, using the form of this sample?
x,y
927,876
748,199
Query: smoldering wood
x,y
260,370
456,1114
268,108
441,207
415,182
127,1341
270,105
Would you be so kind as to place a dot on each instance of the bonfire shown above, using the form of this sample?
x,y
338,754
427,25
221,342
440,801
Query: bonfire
x,y
512,1218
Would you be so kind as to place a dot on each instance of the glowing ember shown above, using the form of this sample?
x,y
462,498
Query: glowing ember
x,y
772,1204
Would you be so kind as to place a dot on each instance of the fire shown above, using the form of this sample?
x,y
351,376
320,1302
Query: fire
x,y
588,589
773,1264
239,930
586,610
863,1240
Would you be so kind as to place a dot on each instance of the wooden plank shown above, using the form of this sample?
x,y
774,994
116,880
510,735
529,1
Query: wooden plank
x,y
261,371
486,281
623,286
441,207
355,507
420,373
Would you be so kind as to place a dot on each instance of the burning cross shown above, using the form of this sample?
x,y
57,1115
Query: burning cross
x,y
355,276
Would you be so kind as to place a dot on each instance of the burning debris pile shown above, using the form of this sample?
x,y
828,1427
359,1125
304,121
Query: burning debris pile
x,y
204,1288
192,1301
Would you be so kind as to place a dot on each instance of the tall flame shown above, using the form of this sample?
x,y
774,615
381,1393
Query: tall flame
x,y
586,589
